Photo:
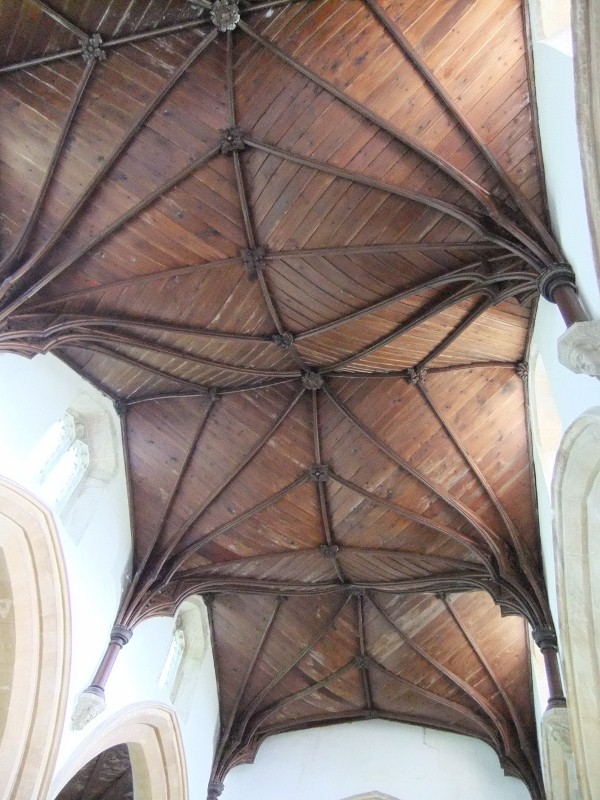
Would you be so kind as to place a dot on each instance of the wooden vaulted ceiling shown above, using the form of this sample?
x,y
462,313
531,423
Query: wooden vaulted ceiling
x,y
300,255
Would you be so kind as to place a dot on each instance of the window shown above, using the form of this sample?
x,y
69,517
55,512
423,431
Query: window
x,y
60,461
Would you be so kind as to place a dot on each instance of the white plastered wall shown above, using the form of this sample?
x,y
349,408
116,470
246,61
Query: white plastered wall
x,y
404,761
33,394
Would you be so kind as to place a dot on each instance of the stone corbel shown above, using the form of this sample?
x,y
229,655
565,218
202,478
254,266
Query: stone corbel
x,y
579,348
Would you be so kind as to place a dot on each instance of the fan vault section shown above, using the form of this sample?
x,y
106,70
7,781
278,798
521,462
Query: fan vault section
x,y
298,244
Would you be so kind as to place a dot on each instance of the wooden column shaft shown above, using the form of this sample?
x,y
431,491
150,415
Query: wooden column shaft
x,y
569,305
118,638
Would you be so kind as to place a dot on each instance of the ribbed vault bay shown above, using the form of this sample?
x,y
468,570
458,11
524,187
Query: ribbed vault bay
x,y
301,256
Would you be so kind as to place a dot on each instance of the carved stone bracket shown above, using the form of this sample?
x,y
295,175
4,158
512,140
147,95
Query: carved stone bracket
x,y
552,278
283,340
225,15
319,473
579,348
329,550
90,703
92,49
232,140
312,380
254,261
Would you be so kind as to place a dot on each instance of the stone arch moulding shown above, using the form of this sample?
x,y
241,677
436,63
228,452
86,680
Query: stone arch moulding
x,y
35,632
585,22
151,732
371,796
576,500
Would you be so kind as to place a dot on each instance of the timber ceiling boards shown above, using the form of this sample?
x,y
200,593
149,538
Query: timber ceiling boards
x,y
300,255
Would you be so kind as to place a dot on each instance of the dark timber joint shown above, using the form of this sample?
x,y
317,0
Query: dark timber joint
x,y
283,340
545,637
522,370
362,662
231,141
120,635
312,380
120,406
254,261
416,376
92,49
553,278
319,473
329,550
225,15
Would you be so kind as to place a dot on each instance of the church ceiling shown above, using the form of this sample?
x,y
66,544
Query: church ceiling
x,y
301,255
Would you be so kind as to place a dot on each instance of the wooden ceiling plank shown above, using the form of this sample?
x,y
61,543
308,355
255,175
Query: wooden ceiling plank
x,y
497,721
16,251
104,234
488,535
465,272
62,20
522,202
226,729
524,738
108,164
474,223
471,186
181,532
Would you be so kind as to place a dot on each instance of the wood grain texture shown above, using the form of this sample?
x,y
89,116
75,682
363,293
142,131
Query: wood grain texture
x,y
300,257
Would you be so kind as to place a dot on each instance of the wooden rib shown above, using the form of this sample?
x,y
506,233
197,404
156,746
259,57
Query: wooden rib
x,y
112,159
81,35
437,698
314,687
365,677
471,463
119,41
226,731
274,256
440,92
466,513
517,722
128,478
466,272
34,62
153,347
283,673
406,194
272,4
477,191
220,391
469,690
169,506
405,373
197,546
106,351
321,497
23,239
108,231
417,319
185,526
458,329
463,538
69,321
137,279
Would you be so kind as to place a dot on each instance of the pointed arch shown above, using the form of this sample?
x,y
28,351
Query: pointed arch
x,y
576,501
152,734
35,632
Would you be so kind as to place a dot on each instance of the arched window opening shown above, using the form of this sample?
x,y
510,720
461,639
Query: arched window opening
x,y
183,661
546,423
74,462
